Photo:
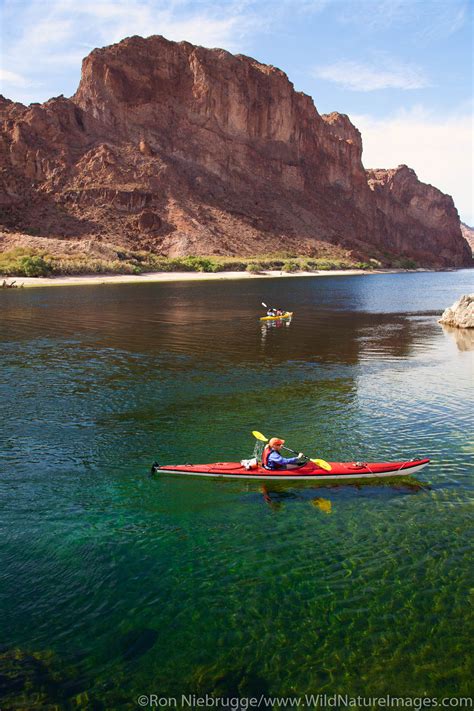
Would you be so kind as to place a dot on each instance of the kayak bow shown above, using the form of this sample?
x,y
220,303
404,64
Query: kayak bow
x,y
339,470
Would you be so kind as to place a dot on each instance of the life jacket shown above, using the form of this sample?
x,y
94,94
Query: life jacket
x,y
265,454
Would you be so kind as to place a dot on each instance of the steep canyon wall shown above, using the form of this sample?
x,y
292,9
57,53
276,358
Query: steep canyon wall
x,y
185,150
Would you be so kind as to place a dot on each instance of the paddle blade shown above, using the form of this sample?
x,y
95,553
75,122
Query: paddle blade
x,y
264,304
322,504
323,464
260,436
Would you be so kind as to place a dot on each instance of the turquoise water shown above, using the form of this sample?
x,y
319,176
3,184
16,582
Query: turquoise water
x,y
116,584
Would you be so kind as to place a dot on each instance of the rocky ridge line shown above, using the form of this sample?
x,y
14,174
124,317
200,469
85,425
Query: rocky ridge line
x,y
179,149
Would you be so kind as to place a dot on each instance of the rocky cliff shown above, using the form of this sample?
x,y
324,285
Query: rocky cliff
x,y
415,217
468,234
185,150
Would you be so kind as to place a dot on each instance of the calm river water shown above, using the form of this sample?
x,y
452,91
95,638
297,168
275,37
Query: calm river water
x,y
114,584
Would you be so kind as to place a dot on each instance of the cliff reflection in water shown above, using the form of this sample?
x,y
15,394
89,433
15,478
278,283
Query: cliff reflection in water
x,y
214,321
174,368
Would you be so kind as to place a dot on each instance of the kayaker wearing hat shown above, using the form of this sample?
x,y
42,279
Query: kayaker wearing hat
x,y
272,459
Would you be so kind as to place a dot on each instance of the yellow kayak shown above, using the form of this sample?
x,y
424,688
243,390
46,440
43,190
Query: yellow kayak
x,y
287,314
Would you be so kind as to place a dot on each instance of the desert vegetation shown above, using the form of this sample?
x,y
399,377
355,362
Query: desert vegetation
x,y
25,262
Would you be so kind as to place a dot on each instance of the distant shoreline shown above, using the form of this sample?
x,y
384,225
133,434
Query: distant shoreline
x,y
152,277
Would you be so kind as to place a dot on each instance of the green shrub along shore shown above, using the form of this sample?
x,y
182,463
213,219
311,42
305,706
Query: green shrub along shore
x,y
21,262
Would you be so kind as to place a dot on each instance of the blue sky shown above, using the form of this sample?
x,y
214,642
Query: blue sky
x,y
401,69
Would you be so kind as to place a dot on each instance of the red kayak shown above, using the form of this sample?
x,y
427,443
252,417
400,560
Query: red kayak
x,y
339,470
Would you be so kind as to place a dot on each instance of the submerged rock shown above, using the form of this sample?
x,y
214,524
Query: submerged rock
x,y
137,642
226,682
26,681
460,314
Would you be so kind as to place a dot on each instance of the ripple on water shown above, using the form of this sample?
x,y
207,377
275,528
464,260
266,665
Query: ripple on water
x,y
193,586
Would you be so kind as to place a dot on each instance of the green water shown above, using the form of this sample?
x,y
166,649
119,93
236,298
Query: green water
x,y
114,584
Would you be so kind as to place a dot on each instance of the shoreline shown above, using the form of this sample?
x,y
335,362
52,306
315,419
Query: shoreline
x,y
157,277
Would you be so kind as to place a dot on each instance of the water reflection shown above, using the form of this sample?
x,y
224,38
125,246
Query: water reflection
x,y
135,373
322,504
215,322
463,337
267,327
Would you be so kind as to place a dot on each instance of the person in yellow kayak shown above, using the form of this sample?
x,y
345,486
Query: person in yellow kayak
x,y
272,459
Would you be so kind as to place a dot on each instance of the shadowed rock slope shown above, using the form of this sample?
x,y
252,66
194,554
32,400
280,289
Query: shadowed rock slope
x,y
182,150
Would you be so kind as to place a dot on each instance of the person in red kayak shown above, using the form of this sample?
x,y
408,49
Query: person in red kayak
x,y
272,459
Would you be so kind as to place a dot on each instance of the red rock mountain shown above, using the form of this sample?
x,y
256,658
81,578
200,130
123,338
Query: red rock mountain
x,y
468,234
185,150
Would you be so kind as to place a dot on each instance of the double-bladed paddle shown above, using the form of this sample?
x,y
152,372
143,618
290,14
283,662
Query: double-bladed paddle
x,y
281,314
319,462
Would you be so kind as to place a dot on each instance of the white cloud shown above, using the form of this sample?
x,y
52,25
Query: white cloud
x,y
439,149
11,78
364,77
52,38
114,21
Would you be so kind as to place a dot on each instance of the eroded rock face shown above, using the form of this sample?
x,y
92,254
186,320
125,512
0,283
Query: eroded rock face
x,y
190,150
468,234
460,314
416,217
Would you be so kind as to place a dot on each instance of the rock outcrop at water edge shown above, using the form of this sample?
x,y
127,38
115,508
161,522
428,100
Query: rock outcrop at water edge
x,y
461,313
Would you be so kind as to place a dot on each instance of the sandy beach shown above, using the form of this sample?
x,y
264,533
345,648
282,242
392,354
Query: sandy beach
x,y
94,279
